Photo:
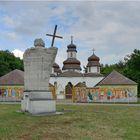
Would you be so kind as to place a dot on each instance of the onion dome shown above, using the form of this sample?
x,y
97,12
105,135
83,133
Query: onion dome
x,y
71,63
93,60
56,68
71,47
93,57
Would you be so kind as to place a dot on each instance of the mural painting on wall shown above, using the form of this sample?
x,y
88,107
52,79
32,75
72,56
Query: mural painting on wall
x,y
11,92
104,95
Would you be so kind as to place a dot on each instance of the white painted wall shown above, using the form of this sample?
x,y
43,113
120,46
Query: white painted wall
x,y
94,69
73,54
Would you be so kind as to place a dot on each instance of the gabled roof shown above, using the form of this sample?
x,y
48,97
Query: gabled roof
x,y
115,78
93,75
15,77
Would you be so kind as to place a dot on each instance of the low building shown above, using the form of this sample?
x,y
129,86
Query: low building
x,y
117,88
12,86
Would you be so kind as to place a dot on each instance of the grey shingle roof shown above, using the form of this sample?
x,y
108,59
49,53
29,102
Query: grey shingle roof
x,y
115,78
15,77
93,75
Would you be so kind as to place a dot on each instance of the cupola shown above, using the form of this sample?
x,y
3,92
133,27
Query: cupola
x,y
93,65
71,63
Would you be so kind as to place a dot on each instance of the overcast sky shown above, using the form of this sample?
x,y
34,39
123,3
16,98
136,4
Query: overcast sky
x,y
112,28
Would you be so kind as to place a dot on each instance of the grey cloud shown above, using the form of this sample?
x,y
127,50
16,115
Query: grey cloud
x,y
109,27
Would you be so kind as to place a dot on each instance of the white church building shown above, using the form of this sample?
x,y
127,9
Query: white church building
x,y
71,74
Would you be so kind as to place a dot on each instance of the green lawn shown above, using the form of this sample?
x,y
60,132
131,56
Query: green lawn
x,y
78,123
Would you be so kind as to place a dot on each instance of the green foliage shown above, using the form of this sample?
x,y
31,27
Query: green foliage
x,y
132,67
107,69
9,62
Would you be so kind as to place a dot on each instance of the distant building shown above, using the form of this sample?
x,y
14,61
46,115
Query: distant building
x,y
71,73
12,86
118,88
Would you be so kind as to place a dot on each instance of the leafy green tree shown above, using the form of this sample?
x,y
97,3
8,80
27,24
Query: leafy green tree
x,y
132,67
107,69
9,62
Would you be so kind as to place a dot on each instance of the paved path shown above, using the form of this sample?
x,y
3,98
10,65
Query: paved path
x,y
99,104
94,104
10,102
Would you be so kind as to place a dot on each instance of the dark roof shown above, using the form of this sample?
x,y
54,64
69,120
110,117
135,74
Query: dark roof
x,y
55,65
70,74
93,60
15,77
71,47
80,84
115,78
72,66
93,57
56,68
71,63
93,75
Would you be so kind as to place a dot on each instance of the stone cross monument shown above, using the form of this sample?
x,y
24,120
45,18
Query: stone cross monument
x,y
38,62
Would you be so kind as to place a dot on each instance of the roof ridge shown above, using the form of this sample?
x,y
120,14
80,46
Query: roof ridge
x,y
116,78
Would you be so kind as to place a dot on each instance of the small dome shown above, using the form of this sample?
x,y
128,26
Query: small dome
x,y
93,57
56,68
93,60
55,65
71,63
71,47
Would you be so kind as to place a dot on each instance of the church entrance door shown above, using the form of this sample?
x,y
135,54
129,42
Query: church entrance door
x,y
68,90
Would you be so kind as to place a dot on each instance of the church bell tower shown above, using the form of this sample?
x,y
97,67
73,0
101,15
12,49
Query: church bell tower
x,y
71,63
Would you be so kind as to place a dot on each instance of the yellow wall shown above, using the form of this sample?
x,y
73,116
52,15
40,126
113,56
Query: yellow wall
x,y
132,88
19,91
111,93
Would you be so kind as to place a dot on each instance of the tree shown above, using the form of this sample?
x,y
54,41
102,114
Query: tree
x,y
9,62
132,67
107,69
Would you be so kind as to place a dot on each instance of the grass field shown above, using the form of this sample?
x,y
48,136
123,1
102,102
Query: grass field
x,y
78,123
